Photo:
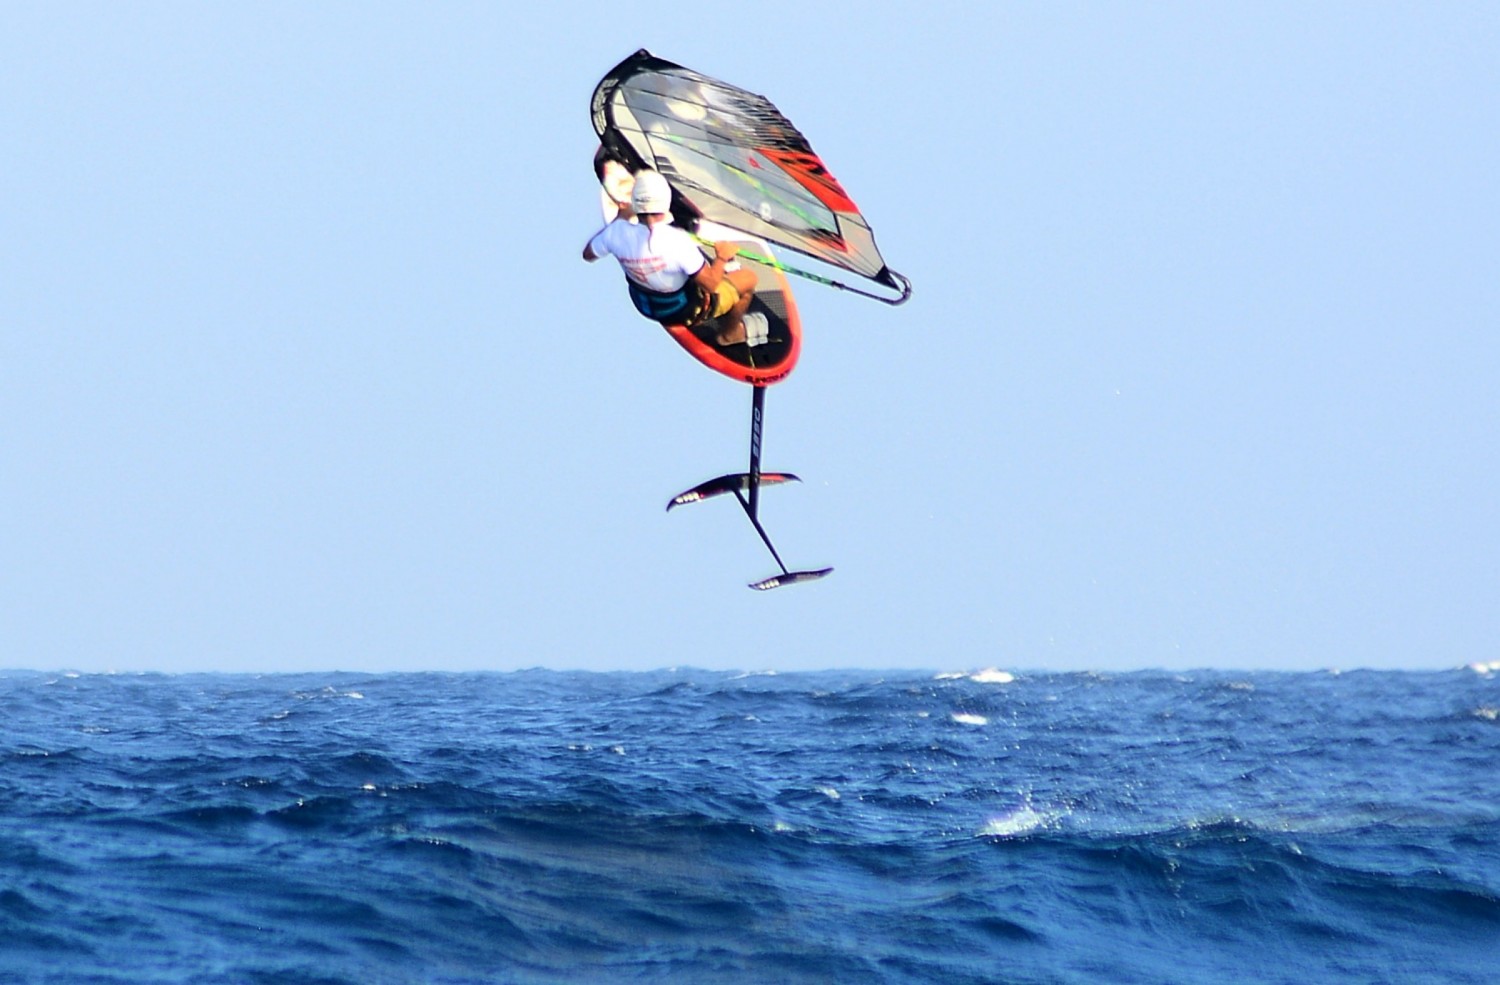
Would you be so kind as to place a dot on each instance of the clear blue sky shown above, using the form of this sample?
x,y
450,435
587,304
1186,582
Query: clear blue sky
x,y
299,367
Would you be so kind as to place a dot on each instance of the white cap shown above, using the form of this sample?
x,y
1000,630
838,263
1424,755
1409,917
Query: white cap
x,y
651,194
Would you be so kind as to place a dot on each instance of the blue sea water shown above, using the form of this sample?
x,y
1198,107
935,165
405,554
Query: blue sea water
x,y
692,826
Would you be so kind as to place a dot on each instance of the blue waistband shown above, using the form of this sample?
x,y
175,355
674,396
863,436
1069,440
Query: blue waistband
x,y
660,306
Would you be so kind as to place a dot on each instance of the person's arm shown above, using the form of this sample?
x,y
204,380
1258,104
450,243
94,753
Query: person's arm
x,y
589,253
710,275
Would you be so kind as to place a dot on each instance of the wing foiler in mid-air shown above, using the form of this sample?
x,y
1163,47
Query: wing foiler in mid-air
x,y
741,172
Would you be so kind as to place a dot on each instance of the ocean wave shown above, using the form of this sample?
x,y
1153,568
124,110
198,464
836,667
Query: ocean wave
x,y
711,827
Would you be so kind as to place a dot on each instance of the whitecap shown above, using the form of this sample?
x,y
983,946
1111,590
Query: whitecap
x,y
964,718
989,675
1023,820
830,792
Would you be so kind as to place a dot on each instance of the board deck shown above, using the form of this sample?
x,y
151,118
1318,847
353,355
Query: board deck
x,y
760,365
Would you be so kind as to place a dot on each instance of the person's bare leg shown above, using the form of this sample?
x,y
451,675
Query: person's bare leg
x,y
732,324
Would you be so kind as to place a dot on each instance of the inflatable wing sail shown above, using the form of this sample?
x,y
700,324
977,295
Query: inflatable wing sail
x,y
738,163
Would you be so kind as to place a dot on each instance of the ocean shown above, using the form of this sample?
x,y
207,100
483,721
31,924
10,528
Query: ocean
x,y
705,827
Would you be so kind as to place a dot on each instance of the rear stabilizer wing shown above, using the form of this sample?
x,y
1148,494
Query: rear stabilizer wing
x,y
789,578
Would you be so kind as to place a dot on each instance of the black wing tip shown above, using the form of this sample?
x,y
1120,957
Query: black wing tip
x,y
789,578
895,281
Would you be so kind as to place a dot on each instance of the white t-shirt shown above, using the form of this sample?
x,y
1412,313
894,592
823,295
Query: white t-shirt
x,y
659,258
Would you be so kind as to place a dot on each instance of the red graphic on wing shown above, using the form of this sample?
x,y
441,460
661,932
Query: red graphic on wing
x,y
812,175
